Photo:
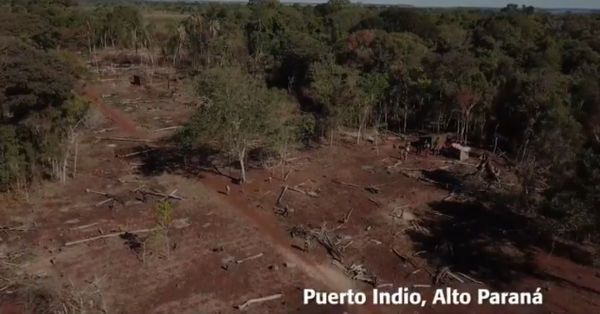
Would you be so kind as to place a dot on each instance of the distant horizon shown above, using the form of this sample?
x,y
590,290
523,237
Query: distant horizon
x,y
543,4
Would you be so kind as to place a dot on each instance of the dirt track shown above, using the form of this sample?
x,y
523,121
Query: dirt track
x,y
186,275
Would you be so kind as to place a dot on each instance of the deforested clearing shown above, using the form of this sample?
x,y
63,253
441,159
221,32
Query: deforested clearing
x,y
162,157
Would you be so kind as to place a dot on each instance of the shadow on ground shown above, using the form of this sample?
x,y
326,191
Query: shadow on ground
x,y
490,245
187,163
482,236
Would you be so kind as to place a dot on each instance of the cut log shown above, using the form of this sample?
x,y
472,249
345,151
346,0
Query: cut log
x,y
175,127
124,139
280,197
244,305
308,193
170,195
347,217
346,184
136,153
110,235
249,258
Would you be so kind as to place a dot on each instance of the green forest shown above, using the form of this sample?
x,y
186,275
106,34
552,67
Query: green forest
x,y
519,81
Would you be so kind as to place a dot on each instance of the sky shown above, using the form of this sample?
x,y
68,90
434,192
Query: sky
x,y
574,4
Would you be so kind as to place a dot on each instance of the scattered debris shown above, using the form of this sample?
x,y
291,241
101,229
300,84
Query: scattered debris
x,y
372,189
485,165
347,217
227,262
323,237
109,198
418,228
244,305
21,228
132,241
377,203
406,259
444,273
303,237
360,273
136,80
218,249
400,212
181,223
377,242
283,211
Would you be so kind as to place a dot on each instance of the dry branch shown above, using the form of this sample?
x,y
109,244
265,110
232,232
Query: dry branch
x,y
308,193
287,175
345,183
360,273
84,226
109,235
97,192
110,199
124,139
21,228
103,130
136,153
445,272
249,258
347,217
372,189
280,197
471,278
175,127
259,300
325,241
154,193
374,201
411,262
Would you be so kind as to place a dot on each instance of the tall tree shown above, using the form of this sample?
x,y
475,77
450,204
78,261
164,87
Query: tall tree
x,y
241,114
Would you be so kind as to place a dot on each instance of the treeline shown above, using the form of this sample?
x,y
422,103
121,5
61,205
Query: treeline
x,y
38,108
519,82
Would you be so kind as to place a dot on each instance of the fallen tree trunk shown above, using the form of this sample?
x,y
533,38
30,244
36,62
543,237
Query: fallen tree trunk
x,y
258,300
109,235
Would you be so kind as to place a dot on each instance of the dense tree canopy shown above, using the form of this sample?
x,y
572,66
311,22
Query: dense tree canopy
x,y
37,109
241,114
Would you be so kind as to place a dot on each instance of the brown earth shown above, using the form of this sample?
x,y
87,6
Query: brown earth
x,y
182,271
